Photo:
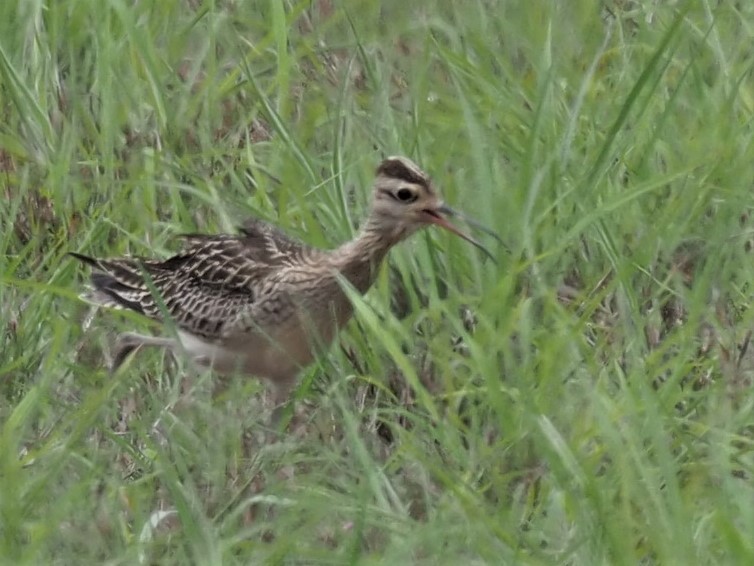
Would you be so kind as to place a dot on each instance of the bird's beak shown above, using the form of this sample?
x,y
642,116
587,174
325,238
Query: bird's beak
x,y
440,217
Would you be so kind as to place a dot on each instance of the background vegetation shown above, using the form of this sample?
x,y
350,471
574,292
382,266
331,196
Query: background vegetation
x,y
585,401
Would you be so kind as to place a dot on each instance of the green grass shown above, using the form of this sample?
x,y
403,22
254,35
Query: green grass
x,y
599,408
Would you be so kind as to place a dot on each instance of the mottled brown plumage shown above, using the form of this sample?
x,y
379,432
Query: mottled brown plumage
x,y
261,303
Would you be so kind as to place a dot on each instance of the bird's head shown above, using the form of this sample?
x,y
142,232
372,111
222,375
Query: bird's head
x,y
405,200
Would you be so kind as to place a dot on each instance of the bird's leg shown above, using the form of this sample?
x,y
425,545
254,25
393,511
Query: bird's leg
x,y
129,342
281,393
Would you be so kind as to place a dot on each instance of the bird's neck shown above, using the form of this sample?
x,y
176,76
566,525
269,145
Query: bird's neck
x,y
359,260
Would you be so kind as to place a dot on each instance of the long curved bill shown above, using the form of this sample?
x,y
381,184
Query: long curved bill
x,y
438,216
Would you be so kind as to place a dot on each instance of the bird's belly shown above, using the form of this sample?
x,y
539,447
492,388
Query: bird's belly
x,y
277,358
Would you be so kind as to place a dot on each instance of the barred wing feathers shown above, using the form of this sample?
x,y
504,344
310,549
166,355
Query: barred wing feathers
x,y
202,287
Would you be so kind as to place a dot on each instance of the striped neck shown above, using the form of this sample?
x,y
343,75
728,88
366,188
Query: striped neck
x,y
359,260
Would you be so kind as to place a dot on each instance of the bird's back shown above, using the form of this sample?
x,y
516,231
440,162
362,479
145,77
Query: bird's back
x,y
204,286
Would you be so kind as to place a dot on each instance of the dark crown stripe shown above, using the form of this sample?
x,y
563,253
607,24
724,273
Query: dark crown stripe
x,y
398,169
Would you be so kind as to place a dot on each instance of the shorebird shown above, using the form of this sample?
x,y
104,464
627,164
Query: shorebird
x,y
260,303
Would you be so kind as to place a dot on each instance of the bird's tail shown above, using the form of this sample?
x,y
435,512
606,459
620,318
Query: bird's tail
x,y
117,283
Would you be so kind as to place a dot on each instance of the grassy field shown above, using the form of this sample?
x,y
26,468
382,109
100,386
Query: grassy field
x,y
587,400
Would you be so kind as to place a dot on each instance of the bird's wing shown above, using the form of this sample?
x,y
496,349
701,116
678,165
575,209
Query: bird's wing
x,y
203,287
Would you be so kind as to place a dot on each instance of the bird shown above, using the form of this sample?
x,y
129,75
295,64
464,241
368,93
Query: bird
x,y
260,303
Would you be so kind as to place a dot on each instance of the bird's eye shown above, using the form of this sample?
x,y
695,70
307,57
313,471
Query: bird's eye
x,y
405,195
